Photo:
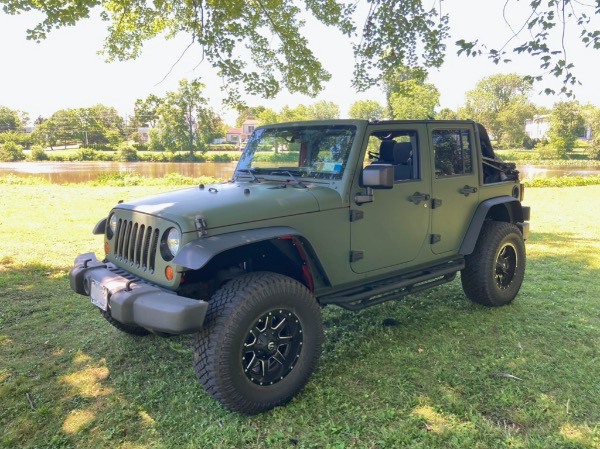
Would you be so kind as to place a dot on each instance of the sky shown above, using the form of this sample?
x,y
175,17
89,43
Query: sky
x,y
66,71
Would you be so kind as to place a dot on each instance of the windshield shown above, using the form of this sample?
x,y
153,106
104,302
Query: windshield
x,y
312,151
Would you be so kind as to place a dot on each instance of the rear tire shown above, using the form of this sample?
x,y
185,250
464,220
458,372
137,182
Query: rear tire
x,y
260,343
495,270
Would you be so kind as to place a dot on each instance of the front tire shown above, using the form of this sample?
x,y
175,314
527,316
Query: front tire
x,y
495,270
260,343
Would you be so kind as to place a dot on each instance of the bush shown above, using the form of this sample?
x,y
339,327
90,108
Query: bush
x,y
38,154
549,152
592,153
529,143
11,152
222,158
127,154
86,154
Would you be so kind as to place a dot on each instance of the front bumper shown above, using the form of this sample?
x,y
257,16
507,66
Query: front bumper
x,y
136,302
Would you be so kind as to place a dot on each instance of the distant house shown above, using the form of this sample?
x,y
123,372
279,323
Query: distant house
x,y
537,127
143,132
237,135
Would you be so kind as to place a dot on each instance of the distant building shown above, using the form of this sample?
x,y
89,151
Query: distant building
x,y
237,135
143,133
537,127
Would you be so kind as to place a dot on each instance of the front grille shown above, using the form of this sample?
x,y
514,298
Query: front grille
x,y
136,244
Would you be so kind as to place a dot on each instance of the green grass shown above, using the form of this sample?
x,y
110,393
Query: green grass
x,y
437,379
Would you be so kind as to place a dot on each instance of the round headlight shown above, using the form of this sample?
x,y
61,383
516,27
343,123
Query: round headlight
x,y
173,239
112,225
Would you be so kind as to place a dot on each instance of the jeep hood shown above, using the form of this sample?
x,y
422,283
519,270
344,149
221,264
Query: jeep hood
x,y
232,203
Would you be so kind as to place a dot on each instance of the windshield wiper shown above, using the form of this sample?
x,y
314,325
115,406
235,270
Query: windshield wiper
x,y
287,172
246,170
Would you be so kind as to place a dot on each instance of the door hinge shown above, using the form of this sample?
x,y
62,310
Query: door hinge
x,y
356,255
434,238
356,215
436,203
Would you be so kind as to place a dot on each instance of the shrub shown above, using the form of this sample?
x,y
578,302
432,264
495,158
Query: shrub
x,y
127,154
86,154
11,152
549,152
38,154
592,153
222,158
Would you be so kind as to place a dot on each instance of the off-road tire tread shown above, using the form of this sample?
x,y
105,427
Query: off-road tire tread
x,y
477,281
228,306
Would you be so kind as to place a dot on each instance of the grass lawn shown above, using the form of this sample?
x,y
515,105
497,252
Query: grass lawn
x,y
450,374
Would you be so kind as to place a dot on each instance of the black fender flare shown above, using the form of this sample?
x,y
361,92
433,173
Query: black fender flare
x,y
514,212
197,253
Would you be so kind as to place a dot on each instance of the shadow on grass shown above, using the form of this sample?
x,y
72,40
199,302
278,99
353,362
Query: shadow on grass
x,y
445,373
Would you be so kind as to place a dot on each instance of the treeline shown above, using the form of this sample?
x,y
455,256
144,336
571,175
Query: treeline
x,y
182,121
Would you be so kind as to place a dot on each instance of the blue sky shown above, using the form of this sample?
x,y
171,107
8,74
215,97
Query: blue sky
x,y
65,71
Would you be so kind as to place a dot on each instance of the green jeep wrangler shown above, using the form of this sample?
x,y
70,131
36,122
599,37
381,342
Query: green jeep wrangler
x,y
352,213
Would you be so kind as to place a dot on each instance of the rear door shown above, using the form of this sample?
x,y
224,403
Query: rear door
x,y
455,185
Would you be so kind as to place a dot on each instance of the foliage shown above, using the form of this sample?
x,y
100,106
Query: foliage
x,y
185,120
546,23
87,154
493,99
38,153
414,100
446,114
366,110
262,49
127,154
563,181
566,124
249,113
511,120
593,121
145,112
11,152
12,120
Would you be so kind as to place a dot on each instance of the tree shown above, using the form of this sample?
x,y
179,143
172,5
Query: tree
x,y
249,113
260,47
414,100
323,110
268,116
512,119
185,118
101,125
592,115
566,124
493,96
145,112
12,120
446,114
366,110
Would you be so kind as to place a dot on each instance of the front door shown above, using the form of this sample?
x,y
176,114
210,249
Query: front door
x,y
393,229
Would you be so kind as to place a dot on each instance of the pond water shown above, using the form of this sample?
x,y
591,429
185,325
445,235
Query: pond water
x,y
76,172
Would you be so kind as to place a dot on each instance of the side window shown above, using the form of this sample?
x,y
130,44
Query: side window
x,y
452,149
397,148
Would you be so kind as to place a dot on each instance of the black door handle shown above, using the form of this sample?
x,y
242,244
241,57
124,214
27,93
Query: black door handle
x,y
417,197
466,190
